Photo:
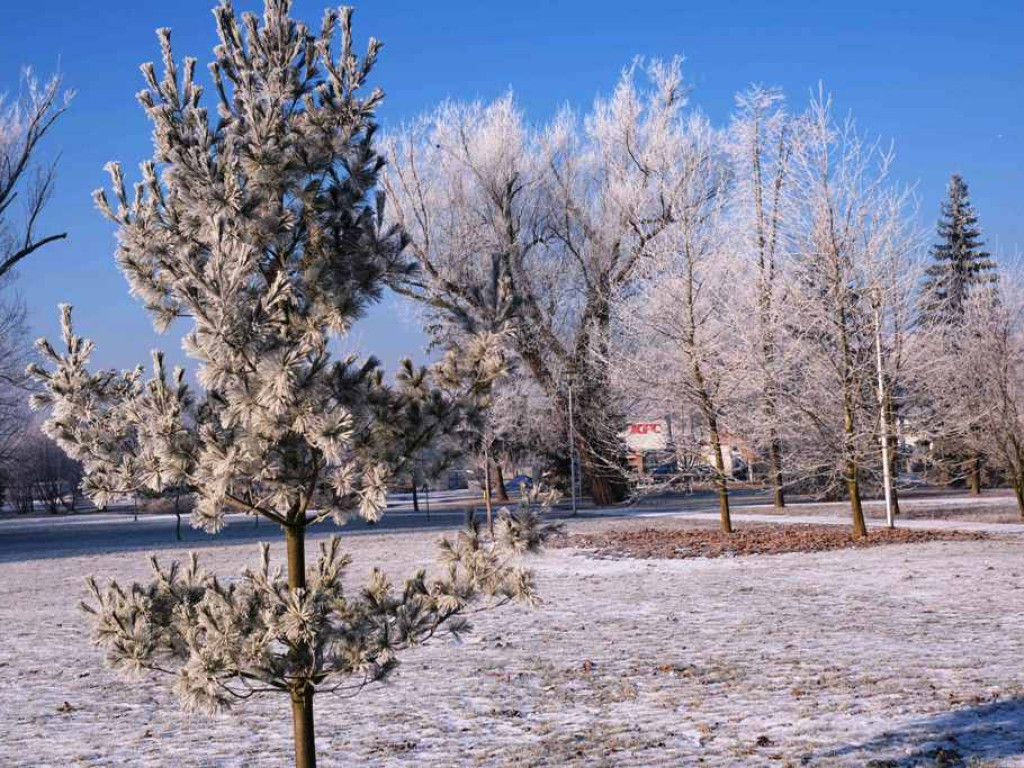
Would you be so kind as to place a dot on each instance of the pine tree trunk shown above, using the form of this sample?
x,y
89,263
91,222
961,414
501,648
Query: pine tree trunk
x,y
302,728
302,693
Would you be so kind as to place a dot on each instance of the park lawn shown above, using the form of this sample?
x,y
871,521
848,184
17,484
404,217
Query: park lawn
x,y
902,654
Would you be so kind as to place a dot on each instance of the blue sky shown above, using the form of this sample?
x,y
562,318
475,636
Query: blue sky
x,y
944,80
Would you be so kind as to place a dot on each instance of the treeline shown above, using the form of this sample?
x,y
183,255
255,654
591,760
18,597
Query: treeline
x,y
770,277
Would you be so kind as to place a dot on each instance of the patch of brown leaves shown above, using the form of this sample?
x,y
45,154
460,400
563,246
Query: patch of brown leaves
x,y
681,543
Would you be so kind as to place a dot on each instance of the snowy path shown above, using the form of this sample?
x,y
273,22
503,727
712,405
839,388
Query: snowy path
x,y
828,659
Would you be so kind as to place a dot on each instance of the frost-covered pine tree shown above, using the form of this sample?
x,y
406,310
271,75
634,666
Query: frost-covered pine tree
x,y
261,227
959,267
960,263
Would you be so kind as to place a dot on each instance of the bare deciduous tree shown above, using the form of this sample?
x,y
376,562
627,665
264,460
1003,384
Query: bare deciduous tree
x,y
572,212
24,122
760,146
847,220
674,333
37,470
980,393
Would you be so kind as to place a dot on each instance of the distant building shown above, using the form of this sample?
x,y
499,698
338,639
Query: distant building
x,y
655,448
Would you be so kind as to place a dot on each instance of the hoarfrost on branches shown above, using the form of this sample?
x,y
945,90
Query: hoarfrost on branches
x,y
260,225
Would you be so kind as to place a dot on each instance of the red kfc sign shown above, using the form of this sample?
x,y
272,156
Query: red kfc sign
x,y
645,428
646,436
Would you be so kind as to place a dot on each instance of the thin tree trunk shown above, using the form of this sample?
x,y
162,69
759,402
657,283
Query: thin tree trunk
x,y
415,496
848,385
895,499
852,470
706,402
302,691
487,491
774,441
860,528
775,464
302,728
894,453
725,518
767,237
707,407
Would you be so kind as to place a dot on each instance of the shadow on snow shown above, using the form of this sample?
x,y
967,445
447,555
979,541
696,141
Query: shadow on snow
x,y
992,731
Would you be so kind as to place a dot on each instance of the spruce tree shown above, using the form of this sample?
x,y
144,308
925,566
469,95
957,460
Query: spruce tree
x,y
960,266
260,226
960,261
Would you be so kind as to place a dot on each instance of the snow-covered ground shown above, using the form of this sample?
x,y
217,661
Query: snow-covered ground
x,y
838,658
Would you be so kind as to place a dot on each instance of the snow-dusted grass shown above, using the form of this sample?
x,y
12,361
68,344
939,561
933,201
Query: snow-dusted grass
x,y
834,658
994,506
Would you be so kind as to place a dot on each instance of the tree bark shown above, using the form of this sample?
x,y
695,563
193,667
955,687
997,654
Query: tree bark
x,y
974,475
894,453
604,487
1018,491
852,470
848,385
860,528
707,407
724,516
775,465
498,483
487,491
302,728
302,691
